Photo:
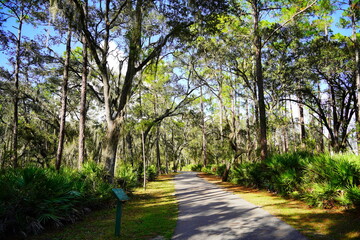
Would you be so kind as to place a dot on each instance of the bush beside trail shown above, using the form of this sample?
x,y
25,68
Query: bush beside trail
x,y
319,179
32,198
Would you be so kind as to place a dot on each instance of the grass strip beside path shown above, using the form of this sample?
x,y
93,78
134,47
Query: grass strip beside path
x,y
148,214
314,223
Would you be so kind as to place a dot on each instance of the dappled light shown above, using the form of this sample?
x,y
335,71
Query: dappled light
x,y
207,211
315,223
97,95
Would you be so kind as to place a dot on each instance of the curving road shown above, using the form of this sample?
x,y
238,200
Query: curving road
x,y
207,212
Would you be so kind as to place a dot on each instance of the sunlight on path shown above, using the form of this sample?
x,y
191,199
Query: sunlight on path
x,y
210,213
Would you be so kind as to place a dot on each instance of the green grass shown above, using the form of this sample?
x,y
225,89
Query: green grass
x,y
148,214
314,223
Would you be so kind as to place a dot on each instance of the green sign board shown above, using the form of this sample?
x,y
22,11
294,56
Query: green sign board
x,y
121,197
120,194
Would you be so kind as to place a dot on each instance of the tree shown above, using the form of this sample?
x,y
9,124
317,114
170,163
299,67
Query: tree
x,y
64,96
109,18
341,89
83,95
257,45
203,128
21,11
354,15
332,104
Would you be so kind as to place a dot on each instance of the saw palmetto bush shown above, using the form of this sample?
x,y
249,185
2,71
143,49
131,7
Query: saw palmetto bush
x,y
285,171
33,198
247,174
320,180
127,176
329,180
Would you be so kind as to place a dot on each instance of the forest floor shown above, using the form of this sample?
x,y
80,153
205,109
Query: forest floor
x,y
314,223
150,214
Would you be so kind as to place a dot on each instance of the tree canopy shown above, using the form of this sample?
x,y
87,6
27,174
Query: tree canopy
x,y
185,81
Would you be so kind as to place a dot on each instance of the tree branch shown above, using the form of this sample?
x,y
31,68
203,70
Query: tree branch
x,y
287,21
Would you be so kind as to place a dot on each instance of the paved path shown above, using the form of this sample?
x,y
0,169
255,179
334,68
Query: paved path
x,y
207,212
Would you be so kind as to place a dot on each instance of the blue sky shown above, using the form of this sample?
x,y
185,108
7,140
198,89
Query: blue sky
x,y
335,28
30,31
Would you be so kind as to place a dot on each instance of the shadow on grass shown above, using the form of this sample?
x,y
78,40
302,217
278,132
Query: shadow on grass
x,y
327,225
146,215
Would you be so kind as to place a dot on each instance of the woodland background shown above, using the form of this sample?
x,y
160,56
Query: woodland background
x,y
262,93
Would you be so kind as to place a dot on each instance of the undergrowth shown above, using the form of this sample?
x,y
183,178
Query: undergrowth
x,y
320,180
32,198
148,214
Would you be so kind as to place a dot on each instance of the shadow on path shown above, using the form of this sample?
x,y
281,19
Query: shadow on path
x,y
207,212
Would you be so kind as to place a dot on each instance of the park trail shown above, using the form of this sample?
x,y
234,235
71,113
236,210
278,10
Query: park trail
x,y
207,212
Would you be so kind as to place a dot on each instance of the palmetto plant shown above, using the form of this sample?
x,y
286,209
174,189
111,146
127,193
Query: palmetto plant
x,y
320,180
32,198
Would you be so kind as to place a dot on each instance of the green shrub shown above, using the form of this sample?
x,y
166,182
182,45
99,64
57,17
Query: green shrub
x,y
127,177
94,185
346,170
243,174
339,173
218,169
338,170
196,167
206,169
321,195
193,167
285,171
162,169
151,173
320,180
33,198
353,195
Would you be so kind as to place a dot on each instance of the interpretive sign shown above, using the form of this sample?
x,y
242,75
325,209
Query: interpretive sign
x,y
121,197
120,194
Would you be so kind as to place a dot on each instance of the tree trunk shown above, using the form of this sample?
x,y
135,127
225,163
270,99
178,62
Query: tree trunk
x,y
335,138
158,157
110,146
225,176
166,156
144,158
112,137
157,140
109,152
173,151
234,129
16,96
286,145
322,144
302,123
357,73
203,129
221,114
357,99
64,102
248,135
83,100
129,142
259,80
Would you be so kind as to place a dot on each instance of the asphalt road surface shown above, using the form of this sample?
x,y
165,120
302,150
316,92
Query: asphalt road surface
x,y
207,212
